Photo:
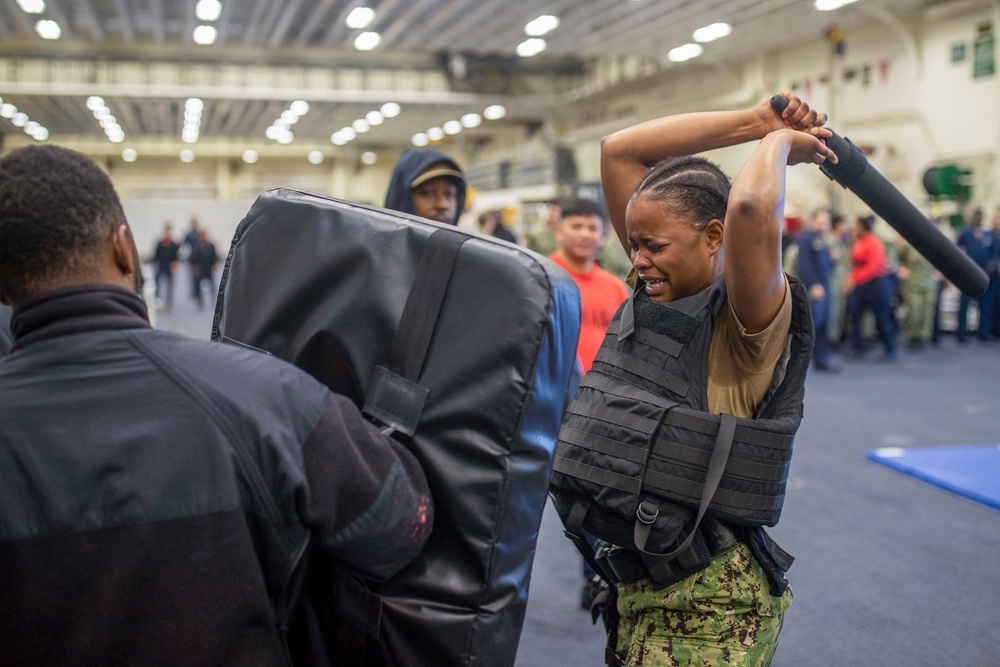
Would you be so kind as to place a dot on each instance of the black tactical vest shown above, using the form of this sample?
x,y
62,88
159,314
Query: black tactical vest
x,y
640,459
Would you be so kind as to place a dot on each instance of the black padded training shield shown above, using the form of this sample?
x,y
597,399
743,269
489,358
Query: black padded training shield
x,y
324,284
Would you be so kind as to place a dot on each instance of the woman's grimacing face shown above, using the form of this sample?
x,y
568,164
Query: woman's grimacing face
x,y
671,256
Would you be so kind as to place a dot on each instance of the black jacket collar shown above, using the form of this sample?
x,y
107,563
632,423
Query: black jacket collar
x,y
78,309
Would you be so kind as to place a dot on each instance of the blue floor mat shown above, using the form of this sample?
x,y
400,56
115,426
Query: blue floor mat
x,y
970,471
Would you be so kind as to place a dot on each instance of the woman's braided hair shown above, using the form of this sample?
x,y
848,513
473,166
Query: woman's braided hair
x,y
690,187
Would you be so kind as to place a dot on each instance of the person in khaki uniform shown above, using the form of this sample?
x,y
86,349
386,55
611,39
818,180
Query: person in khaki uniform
x,y
919,294
676,214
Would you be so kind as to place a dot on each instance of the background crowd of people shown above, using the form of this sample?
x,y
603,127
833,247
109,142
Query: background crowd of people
x,y
866,282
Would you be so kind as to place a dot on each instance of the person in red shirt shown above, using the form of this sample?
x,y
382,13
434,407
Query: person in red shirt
x,y
579,237
867,288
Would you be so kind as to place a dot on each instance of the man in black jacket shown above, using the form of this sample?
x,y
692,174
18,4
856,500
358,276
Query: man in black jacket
x,y
428,184
166,500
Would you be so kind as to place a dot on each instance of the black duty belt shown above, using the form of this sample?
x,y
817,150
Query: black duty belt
x,y
623,565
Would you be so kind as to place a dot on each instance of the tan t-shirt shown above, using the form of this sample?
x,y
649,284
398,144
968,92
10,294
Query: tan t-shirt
x,y
741,365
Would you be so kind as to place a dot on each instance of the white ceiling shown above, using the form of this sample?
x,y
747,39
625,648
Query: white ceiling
x,y
438,58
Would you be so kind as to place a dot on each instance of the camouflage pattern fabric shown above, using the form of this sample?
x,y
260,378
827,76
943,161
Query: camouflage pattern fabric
x,y
721,616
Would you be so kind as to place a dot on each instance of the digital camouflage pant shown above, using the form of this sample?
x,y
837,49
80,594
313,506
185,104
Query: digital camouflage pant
x,y
721,616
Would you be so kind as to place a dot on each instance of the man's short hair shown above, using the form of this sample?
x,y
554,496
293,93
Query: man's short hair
x,y
580,206
57,210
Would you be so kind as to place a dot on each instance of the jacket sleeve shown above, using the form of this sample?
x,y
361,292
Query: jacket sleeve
x,y
366,497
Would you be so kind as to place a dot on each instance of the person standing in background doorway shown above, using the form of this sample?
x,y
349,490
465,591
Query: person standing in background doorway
x,y
165,255
203,261
188,246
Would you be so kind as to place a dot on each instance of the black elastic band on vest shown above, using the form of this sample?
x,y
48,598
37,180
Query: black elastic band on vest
x,y
614,416
607,446
642,369
613,386
736,503
745,432
658,341
611,480
696,455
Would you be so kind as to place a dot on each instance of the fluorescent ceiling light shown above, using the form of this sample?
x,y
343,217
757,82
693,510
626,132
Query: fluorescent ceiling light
x,y
348,133
420,139
299,107
208,10
531,47
374,118
41,134
31,6
20,119
205,34
7,110
315,157
338,139
48,29
452,127
250,156
830,5
710,33
494,112
285,138
471,120
360,17
686,52
187,155
367,41
194,105
129,155
94,102
369,157
390,109
435,134
543,25
361,126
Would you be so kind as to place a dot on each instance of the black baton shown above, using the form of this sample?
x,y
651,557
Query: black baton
x,y
855,173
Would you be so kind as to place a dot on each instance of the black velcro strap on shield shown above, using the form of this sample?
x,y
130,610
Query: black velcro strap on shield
x,y
423,305
394,396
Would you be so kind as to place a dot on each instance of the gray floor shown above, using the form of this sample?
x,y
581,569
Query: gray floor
x,y
889,570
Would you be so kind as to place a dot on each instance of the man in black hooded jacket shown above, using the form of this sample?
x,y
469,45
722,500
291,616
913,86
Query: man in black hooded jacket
x,y
428,184
167,501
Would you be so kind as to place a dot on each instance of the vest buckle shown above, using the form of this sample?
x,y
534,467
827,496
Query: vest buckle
x,y
647,515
